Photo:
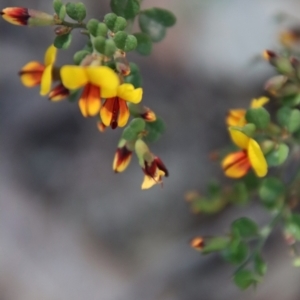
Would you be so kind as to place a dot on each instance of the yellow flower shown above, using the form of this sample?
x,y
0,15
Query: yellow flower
x,y
236,117
122,156
98,82
35,73
154,171
115,111
238,164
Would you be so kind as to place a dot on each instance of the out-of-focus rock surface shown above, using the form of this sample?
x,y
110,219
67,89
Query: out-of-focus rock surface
x,y
72,229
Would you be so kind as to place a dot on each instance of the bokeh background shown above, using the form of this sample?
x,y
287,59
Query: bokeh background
x,y
72,229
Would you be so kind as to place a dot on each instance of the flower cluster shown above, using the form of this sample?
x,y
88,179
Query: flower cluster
x,y
107,85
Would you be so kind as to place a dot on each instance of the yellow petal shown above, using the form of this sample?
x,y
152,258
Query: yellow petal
x,y
256,103
122,159
31,73
46,81
123,113
106,112
89,102
257,159
149,181
73,77
236,165
236,117
50,56
127,92
103,77
239,138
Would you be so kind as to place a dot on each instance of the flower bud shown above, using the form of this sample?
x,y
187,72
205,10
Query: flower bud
x,y
25,16
275,84
61,30
59,93
122,157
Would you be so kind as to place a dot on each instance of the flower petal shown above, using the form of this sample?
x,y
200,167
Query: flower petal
x,y
123,113
50,56
59,93
257,159
15,15
73,77
127,92
236,117
31,73
106,112
236,165
239,138
103,77
46,80
89,102
256,103
122,159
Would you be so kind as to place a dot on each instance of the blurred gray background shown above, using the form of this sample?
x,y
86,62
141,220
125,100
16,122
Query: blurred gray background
x,y
72,229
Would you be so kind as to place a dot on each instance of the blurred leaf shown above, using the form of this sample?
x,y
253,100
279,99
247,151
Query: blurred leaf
x,y
277,156
79,56
244,279
155,130
245,227
239,193
260,266
260,117
292,100
125,8
215,244
289,118
134,77
63,41
144,43
236,252
293,226
115,23
270,192
131,132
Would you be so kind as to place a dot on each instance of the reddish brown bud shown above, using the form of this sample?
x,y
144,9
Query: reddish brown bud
x,y
59,93
197,243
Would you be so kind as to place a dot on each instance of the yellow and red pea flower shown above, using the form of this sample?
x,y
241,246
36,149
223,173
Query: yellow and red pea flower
x,y
23,16
238,164
122,156
97,82
35,73
115,111
154,171
236,117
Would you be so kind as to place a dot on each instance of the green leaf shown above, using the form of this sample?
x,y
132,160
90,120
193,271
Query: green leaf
x,y
81,11
215,244
57,4
284,66
293,226
260,266
124,41
236,252
161,16
277,156
251,181
289,118
244,279
144,43
155,130
63,41
260,117
62,12
79,56
155,30
244,227
115,23
104,46
133,129
76,11
125,8
239,193
91,26
134,77
270,192
248,129
292,100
